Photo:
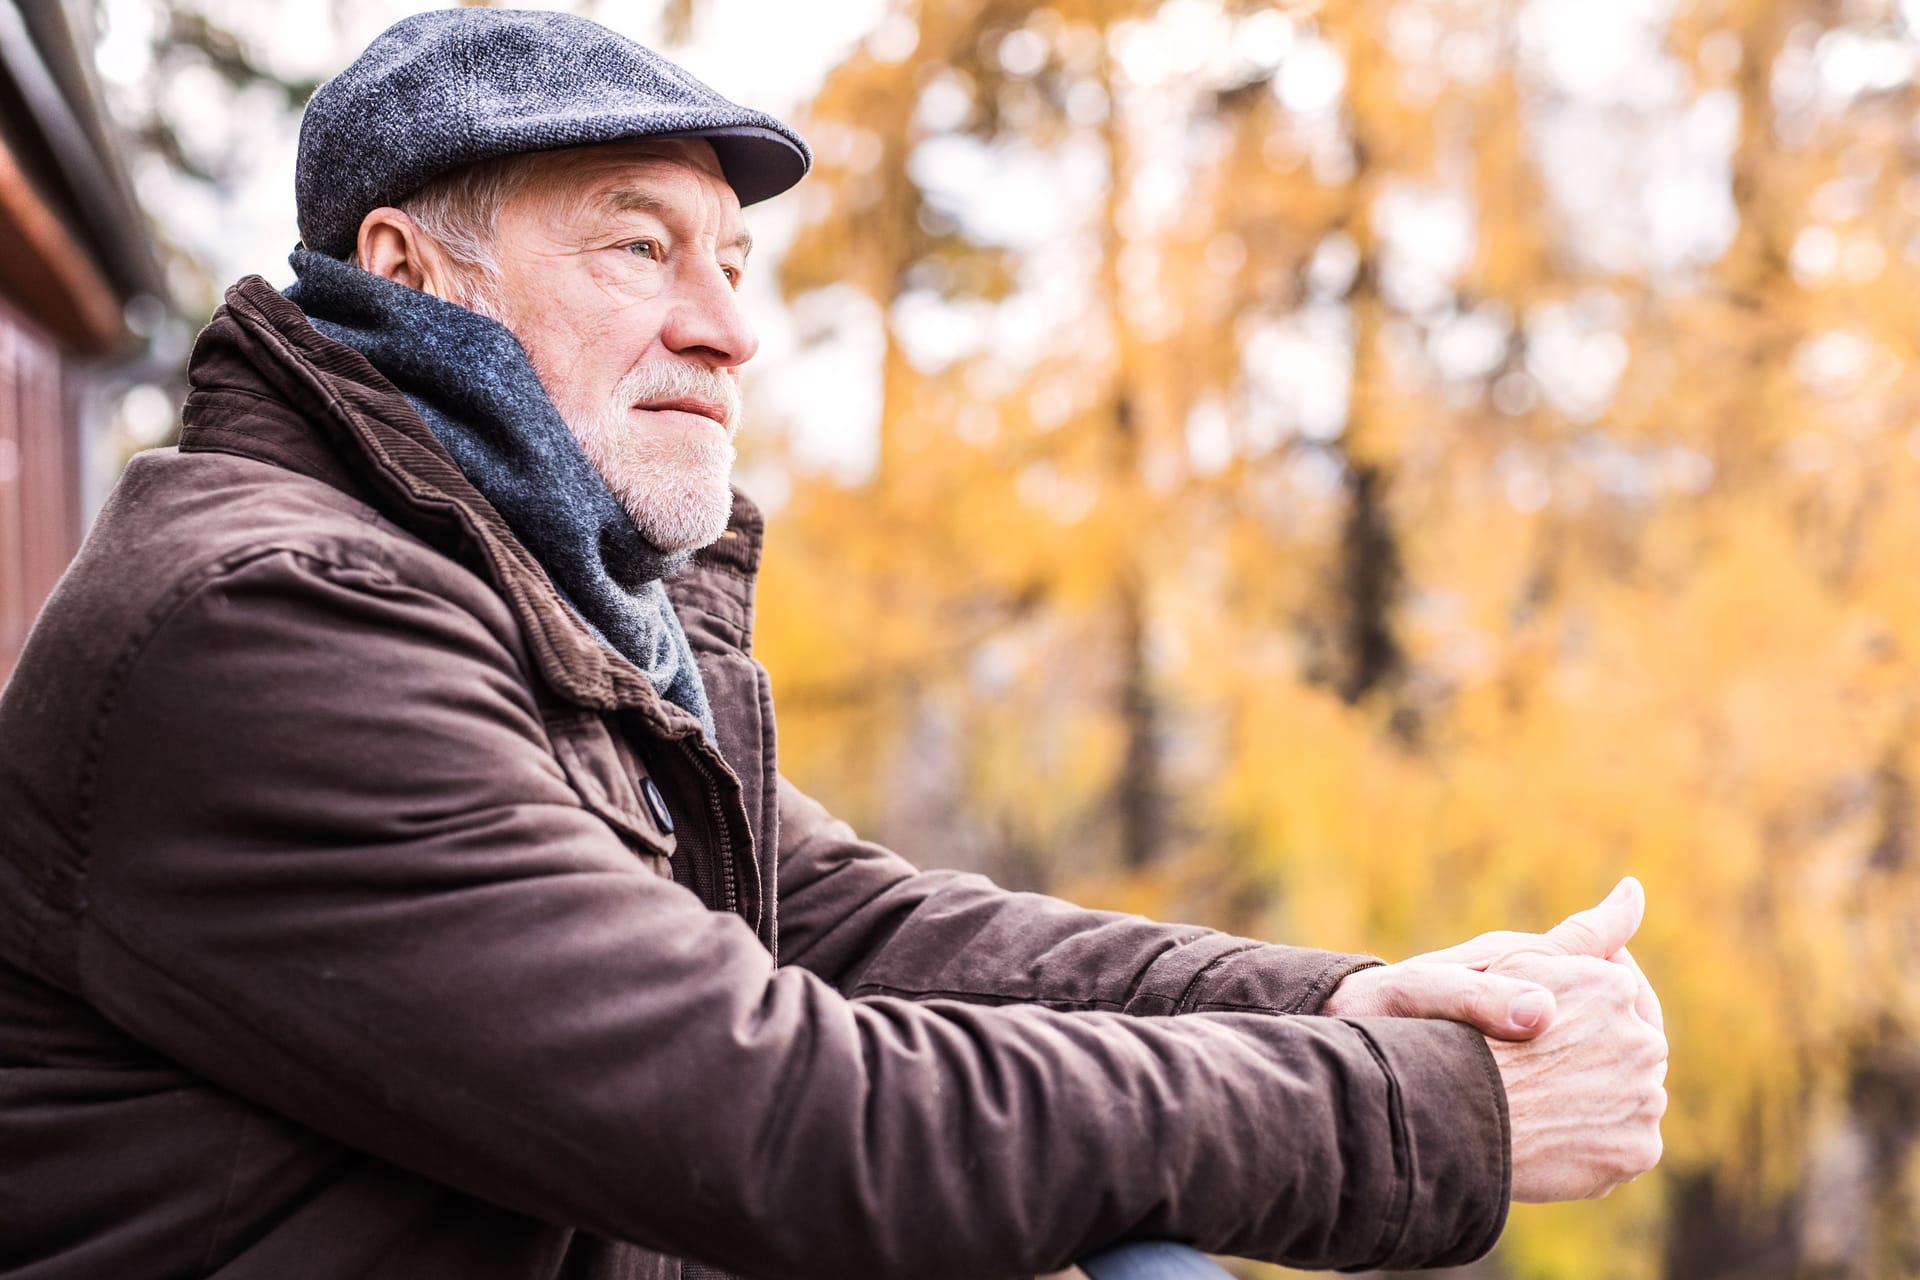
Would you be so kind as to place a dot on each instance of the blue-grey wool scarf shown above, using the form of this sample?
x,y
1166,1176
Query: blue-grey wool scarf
x,y
473,385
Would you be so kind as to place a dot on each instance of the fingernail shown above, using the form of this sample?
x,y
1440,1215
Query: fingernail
x,y
1529,1009
1622,891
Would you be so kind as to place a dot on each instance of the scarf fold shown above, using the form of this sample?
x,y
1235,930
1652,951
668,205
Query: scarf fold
x,y
471,382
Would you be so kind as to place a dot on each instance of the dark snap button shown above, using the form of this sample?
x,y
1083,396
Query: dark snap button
x,y
656,805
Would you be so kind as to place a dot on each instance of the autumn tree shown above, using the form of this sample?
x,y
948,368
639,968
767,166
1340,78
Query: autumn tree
x,y
1362,474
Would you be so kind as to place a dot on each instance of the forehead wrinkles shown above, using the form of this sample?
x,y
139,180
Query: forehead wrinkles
x,y
574,189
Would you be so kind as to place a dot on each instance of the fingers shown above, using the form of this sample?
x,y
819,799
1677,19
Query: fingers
x,y
1478,953
1495,1005
1586,1102
1602,930
1599,931
1645,1003
1499,1007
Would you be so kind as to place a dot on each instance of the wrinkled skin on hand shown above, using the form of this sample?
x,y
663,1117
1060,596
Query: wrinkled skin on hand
x,y
1466,983
1575,1029
1585,1097
1602,931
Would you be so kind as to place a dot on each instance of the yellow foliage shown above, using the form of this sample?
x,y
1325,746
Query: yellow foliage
x,y
1164,635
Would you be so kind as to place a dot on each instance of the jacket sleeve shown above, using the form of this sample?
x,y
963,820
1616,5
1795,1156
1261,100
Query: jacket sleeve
x,y
333,868
868,922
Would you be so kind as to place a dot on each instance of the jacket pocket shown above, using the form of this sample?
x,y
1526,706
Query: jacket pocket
x,y
612,783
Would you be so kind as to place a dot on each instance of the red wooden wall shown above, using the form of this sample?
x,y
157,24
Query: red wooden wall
x,y
39,478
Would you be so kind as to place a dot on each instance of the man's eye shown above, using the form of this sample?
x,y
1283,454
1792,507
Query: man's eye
x,y
644,249
733,276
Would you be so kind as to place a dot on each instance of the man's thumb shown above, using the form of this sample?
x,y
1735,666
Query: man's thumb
x,y
1600,931
1493,1004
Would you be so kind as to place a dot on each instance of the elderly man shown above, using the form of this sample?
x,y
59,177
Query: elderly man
x,y
395,879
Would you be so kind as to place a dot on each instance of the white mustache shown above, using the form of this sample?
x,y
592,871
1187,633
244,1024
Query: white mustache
x,y
661,380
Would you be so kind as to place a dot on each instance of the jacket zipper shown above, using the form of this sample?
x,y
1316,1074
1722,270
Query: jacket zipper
x,y
729,885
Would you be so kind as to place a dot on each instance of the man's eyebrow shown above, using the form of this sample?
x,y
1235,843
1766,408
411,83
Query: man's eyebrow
x,y
635,200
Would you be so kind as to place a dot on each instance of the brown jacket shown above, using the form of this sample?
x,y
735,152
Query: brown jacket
x,y
340,937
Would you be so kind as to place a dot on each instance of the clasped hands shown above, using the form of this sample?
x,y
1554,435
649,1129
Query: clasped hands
x,y
1575,1029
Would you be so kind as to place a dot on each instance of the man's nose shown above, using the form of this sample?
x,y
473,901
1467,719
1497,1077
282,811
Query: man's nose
x,y
707,322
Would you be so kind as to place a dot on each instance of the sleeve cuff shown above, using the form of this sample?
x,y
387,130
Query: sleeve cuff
x,y
1452,1146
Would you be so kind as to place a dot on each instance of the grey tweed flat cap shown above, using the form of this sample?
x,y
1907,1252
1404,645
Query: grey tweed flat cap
x,y
443,89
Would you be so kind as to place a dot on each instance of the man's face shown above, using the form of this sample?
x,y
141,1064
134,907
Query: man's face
x,y
618,266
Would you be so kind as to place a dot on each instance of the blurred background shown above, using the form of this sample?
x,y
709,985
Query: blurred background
x,y
1356,474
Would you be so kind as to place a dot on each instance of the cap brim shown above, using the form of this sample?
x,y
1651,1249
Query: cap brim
x,y
758,163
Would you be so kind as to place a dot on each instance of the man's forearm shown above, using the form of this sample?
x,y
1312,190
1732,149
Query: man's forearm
x,y
868,922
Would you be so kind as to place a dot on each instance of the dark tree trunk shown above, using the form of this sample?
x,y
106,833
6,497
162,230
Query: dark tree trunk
x,y
1369,580
1142,802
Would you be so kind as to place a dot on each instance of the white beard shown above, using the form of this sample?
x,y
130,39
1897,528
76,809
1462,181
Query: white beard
x,y
676,485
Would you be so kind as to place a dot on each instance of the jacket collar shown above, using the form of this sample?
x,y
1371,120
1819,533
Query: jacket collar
x,y
319,408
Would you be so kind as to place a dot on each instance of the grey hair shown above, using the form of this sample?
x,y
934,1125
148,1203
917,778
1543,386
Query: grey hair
x,y
460,212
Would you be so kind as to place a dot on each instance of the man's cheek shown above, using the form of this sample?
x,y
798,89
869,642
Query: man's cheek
x,y
620,291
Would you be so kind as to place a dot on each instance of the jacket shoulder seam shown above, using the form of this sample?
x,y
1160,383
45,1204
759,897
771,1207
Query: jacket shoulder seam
x,y
150,627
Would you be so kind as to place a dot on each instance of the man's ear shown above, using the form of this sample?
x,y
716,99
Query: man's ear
x,y
391,245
